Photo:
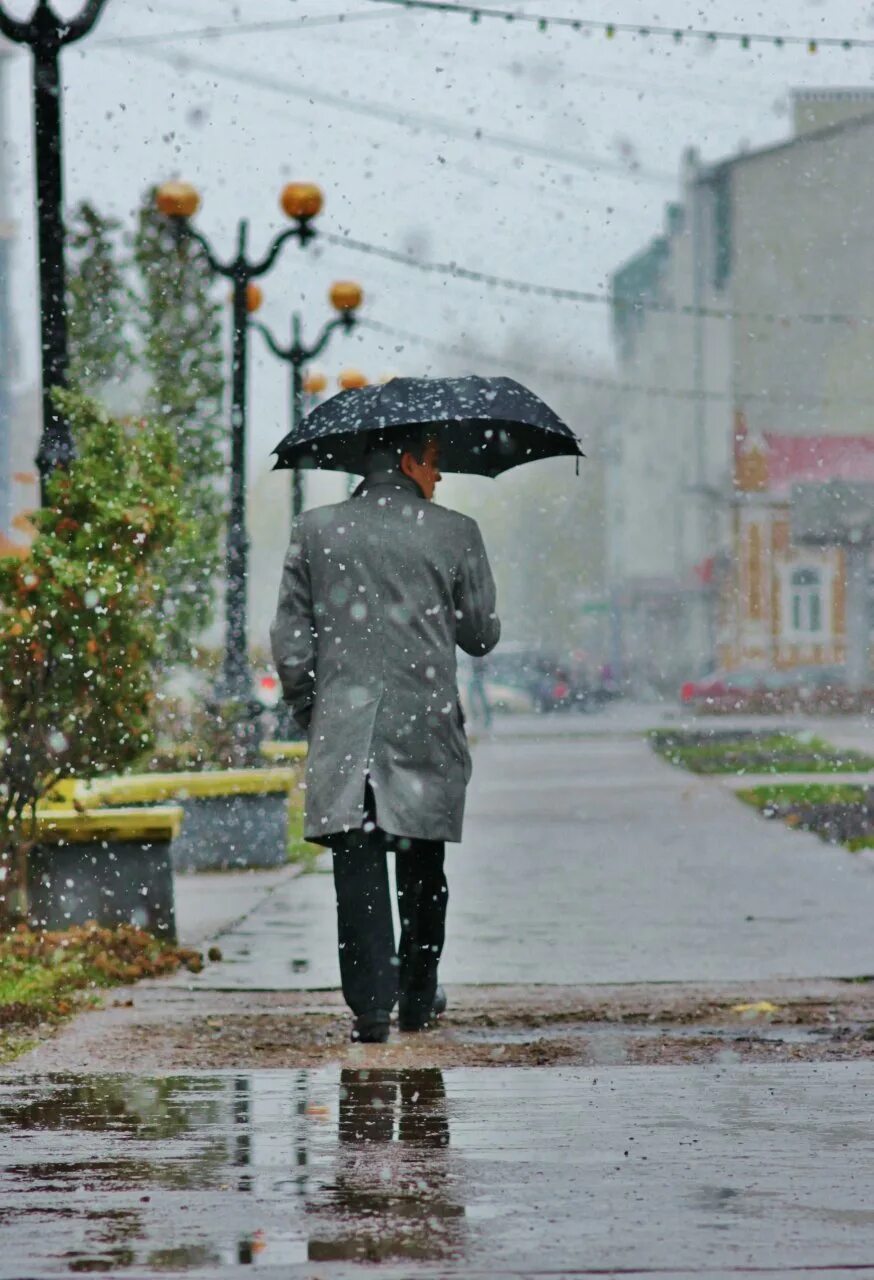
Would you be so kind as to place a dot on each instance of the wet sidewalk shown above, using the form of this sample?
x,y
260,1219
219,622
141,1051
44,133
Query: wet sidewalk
x,y
602,864
456,1174
685,971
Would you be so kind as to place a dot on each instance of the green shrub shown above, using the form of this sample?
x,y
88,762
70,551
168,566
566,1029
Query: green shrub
x,y
78,630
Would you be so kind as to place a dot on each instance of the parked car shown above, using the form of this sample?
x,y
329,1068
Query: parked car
x,y
546,680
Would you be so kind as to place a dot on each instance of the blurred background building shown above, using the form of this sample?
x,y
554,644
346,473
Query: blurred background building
x,y
746,323
18,407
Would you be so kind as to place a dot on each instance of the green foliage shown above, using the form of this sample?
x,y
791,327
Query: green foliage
x,y
839,814
46,976
98,304
749,752
180,326
78,627
300,852
801,793
146,332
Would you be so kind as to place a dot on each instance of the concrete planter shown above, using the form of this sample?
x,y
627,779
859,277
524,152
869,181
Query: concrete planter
x,y
233,818
113,866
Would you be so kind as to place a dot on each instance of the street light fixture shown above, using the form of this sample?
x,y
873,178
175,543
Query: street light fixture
x,y
301,202
346,297
46,34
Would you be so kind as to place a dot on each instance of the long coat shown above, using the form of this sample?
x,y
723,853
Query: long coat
x,y
376,593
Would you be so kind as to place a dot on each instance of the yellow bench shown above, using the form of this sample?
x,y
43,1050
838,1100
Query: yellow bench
x,y
233,817
113,866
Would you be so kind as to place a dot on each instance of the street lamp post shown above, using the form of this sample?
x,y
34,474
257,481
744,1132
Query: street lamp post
x,y
346,298
301,202
352,380
46,34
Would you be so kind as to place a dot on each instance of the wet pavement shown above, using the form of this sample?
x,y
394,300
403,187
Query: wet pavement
x,y
658,1058
602,864
457,1173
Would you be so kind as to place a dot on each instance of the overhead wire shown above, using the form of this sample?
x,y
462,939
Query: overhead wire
x,y
214,32
606,383
408,119
456,271
543,21
562,293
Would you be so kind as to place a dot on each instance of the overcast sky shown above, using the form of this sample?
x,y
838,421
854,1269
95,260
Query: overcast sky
x,y
241,114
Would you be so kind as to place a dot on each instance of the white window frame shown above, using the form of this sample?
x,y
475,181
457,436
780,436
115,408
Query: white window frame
x,y
805,594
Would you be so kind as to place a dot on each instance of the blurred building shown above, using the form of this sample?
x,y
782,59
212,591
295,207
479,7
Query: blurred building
x,y
19,409
784,601
753,307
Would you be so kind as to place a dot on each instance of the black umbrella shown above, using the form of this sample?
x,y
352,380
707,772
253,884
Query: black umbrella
x,y
485,425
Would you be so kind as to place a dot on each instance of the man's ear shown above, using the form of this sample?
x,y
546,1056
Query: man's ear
x,y
408,463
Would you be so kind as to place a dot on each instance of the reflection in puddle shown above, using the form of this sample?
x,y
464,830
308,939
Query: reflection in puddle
x,y
267,1168
393,1193
479,1172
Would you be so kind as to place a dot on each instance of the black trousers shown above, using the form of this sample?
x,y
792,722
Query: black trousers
x,y
373,974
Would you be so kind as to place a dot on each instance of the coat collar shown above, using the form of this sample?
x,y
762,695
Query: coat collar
x,y
387,479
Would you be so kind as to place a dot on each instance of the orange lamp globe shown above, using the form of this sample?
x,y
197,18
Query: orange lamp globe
x,y
254,296
301,200
177,199
352,379
314,383
346,295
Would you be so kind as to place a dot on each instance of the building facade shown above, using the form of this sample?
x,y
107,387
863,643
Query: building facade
x,y
755,305
783,602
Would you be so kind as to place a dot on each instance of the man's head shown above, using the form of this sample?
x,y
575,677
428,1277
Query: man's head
x,y
414,453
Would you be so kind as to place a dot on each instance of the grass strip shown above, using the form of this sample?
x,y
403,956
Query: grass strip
x,y
802,793
842,815
300,852
749,752
46,977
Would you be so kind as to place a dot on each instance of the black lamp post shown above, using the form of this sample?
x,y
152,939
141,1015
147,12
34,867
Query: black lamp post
x,y
346,298
301,202
46,34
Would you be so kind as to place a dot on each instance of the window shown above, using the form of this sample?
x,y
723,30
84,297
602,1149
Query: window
x,y
805,591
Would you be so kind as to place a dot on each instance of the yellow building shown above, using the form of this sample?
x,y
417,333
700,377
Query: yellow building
x,y
783,605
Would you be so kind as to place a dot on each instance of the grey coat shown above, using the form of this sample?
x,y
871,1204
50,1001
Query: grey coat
x,y
376,593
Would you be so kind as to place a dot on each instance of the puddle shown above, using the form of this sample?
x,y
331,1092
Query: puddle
x,y
595,1031
460,1172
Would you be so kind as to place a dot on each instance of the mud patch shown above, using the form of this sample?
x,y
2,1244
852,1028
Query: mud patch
x,y
156,1029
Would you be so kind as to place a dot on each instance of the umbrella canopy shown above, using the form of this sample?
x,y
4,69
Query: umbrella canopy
x,y
485,425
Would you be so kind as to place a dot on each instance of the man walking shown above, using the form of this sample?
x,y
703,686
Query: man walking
x,y
376,593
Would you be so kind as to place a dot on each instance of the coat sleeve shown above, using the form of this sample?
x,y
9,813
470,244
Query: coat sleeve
x,y
292,633
478,628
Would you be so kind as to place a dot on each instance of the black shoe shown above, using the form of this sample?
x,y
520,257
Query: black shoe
x,y
422,1022
371,1028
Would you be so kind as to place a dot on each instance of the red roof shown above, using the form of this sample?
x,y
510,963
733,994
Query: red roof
x,y
816,459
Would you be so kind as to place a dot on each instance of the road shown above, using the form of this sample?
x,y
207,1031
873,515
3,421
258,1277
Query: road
x,y
608,1092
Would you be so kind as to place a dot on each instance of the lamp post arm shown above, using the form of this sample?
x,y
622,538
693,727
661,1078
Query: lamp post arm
x,y
290,233
345,321
79,26
186,229
285,353
15,29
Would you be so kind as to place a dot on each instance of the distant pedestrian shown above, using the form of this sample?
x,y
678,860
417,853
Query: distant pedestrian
x,y
376,594
477,694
